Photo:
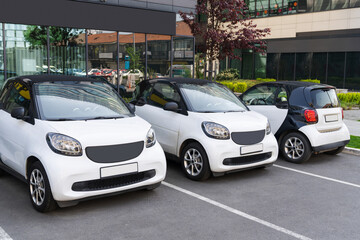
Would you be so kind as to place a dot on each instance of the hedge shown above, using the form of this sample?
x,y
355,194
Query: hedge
x,y
350,97
310,80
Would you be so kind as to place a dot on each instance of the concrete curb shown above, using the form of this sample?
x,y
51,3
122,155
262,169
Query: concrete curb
x,y
353,151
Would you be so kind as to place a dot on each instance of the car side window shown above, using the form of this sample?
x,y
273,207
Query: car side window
x,y
163,93
260,95
19,96
4,92
281,96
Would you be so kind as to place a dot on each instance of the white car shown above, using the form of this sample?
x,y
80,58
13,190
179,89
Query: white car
x,y
73,138
205,125
139,75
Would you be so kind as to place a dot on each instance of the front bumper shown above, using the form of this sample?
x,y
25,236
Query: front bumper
x,y
76,178
224,155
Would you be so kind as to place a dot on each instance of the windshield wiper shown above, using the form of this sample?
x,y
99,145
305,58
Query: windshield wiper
x,y
62,119
95,118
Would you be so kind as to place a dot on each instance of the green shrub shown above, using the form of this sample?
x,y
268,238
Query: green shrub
x,y
229,74
353,98
310,80
240,87
266,79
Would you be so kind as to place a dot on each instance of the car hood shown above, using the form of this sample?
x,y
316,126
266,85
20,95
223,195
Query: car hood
x,y
102,132
235,121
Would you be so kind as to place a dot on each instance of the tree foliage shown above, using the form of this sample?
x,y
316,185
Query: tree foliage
x,y
134,58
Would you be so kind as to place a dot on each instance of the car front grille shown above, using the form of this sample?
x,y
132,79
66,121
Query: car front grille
x,y
113,182
114,153
248,138
247,159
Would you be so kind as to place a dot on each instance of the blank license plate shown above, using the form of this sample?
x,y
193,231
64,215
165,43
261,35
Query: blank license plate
x,y
331,118
251,149
118,170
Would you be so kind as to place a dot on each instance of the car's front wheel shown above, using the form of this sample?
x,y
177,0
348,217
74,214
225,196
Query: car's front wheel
x,y
195,163
39,189
295,148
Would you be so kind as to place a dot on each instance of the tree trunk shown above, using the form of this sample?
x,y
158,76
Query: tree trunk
x,y
211,69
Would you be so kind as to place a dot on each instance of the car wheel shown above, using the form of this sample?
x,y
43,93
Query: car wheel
x,y
1,172
195,163
295,148
336,151
39,189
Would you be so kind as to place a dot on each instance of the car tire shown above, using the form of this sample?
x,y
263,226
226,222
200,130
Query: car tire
x,y
194,162
1,172
39,189
336,151
295,148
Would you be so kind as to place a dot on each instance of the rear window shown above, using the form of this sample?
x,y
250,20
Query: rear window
x,y
324,98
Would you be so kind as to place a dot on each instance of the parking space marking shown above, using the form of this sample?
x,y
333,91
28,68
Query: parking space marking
x,y
237,212
318,176
4,235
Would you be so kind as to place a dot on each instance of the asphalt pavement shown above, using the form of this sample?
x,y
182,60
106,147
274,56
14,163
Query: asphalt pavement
x,y
314,200
352,121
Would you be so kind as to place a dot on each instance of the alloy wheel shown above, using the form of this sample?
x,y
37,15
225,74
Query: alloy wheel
x,y
193,162
294,148
37,187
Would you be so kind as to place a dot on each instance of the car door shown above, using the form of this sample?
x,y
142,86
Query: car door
x,y
269,100
14,132
165,123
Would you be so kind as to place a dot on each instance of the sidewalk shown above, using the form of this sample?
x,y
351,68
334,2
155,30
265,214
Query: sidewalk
x,y
351,118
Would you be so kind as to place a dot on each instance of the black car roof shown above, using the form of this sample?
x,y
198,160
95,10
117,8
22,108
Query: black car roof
x,y
52,78
299,84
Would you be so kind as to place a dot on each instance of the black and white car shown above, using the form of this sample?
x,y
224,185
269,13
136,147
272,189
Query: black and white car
x,y
305,117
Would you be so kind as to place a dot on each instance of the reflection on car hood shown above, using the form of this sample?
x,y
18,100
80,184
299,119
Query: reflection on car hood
x,y
102,131
235,121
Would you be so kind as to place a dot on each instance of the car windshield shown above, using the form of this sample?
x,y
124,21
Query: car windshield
x,y
78,100
324,98
210,97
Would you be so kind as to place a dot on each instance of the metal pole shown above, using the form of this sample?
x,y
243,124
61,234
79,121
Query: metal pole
x,y
344,70
4,46
294,75
327,67
48,48
193,72
86,52
117,61
171,55
146,57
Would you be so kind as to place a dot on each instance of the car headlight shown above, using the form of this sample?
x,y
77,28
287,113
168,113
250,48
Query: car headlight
x,y
215,130
268,128
63,144
150,138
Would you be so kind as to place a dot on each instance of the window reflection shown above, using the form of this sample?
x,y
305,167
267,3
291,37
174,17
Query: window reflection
x,y
262,8
1,58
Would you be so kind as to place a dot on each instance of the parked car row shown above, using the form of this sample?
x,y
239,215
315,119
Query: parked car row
x,y
74,138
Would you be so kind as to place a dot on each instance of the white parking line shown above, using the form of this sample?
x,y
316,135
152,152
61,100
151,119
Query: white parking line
x,y
319,176
237,212
4,235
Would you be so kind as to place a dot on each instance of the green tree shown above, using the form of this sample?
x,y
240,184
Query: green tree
x,y
134,58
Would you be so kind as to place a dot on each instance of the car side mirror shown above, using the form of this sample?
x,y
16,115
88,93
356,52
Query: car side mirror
x,y
18,113
132,107
171,106
282,104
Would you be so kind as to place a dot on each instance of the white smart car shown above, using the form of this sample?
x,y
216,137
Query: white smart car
x,y
205,125
73,138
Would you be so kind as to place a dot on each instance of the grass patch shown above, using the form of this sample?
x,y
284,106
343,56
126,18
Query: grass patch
x,y
354,142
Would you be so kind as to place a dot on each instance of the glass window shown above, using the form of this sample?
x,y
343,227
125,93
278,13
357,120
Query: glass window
x,y
352,70
318,67
163,93
19,96
2,76
210,97
339,4
67,51
159,55
275,7
78,101
251,5
324,98
183,63
354,3
247,65
260,95
303,62
336,69
286,68
4,92
25,49
321,5
260,65
272,63
262,8
281,96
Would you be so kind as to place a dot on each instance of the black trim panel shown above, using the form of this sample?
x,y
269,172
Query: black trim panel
x,y
115,153
330,146
248,138
247,159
